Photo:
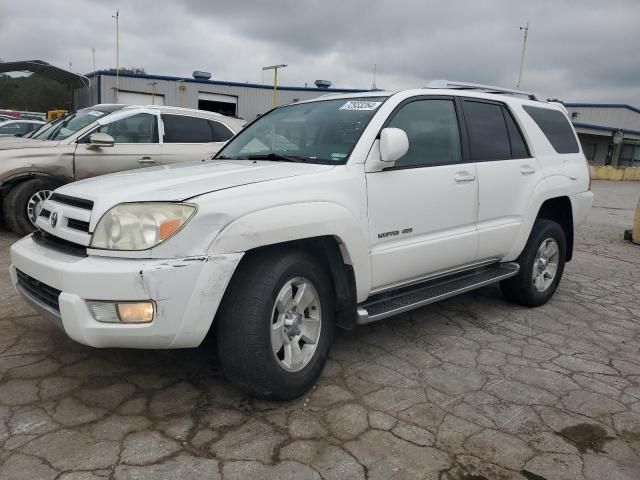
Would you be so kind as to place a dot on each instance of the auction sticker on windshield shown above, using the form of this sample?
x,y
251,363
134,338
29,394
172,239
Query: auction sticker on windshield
x,y
360,105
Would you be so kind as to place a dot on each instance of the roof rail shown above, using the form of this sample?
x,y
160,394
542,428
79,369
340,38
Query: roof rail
x,y
477,86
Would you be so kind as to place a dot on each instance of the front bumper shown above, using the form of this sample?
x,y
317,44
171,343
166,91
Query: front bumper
x,y
187,293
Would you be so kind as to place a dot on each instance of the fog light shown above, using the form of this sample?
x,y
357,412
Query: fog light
x,y
126,312
140,312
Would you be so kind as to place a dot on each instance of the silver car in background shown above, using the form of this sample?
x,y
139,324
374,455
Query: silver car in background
x,y
99,140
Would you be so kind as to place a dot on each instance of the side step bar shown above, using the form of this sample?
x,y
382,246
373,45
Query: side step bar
x,y
403,299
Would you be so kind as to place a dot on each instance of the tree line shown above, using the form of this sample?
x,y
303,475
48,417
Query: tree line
x,y
33,93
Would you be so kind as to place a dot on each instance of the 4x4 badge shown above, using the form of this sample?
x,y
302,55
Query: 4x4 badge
x,y
54,219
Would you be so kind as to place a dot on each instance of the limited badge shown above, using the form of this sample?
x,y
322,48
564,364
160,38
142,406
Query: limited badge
x,y
53,220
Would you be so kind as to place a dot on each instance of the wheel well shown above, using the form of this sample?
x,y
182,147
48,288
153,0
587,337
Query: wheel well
x,y
327,250
559,210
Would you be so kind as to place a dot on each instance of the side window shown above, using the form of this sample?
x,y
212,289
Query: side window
x,y
518,146
221,133
488,137
432,128
555,126
183,129
139,128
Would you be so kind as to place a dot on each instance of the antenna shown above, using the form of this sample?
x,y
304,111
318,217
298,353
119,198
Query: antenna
x,y
524,46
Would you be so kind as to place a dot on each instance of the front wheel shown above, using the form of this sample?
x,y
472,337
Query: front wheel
x,y
541,266
275,325
24,202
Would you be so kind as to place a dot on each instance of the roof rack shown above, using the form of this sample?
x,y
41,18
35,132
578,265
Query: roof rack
x,y
478,86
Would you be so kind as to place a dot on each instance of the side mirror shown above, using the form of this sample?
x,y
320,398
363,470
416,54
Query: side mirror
x,y
394,143
101,140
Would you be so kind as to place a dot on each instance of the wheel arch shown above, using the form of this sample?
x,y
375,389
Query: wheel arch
x,y
559,210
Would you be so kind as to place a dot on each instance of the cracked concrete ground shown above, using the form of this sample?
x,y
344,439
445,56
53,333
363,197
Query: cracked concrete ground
x,y
469,389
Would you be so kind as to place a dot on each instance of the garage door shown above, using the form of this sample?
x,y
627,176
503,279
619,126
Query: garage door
x,y
140,98
216,102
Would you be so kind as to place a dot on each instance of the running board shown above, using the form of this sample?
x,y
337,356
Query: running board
x,y
403,299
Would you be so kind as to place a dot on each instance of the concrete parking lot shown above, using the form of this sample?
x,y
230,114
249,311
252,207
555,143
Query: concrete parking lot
x,y
469,389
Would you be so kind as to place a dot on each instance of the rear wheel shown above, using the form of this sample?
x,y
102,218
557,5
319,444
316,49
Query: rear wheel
x,y
23,204
275,324
541,266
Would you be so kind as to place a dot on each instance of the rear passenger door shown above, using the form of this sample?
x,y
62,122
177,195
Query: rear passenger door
x,y
422,210
507,175
191,138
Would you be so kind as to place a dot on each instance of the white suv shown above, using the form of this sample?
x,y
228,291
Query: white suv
x,y
338,211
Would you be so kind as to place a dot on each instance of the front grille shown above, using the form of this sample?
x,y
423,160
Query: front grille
x,y
78,225
40,291
56,243
72,201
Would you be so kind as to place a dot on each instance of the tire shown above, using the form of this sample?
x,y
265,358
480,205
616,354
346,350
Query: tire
x,y
249,315
522,288
15,204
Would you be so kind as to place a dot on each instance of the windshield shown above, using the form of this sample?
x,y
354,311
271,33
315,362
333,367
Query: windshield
x,y
324,131
74,122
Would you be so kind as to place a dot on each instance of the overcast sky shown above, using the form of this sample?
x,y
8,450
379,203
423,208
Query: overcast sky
x,y
583,50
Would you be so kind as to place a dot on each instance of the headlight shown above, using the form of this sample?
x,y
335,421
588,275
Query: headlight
x,y
139,226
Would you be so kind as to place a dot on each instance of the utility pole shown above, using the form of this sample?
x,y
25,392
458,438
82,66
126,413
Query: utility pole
x,y
117,17
524,47
275,79
153,92
93,54
373,85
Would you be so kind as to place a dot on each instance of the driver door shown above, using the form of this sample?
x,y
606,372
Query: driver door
x,y
136,145
423,209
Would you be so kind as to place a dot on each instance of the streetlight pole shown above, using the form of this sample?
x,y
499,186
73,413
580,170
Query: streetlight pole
x,y
275,79
117,17
524,47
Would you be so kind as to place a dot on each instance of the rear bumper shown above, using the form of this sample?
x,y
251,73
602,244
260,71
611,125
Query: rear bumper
x,y
187,293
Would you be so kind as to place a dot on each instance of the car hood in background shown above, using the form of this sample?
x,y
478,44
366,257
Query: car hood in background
x,y
7,143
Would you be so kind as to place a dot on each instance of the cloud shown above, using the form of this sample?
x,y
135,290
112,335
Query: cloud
x,y
577,50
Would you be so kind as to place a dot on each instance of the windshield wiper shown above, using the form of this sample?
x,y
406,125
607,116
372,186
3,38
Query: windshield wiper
x,y
277,157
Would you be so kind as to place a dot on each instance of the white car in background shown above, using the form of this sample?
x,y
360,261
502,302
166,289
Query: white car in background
x,y
18,128
98,140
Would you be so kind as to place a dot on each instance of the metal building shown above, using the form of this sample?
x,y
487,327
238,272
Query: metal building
x,y
243,100
609,132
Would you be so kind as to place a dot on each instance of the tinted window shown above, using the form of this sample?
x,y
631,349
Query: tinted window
x,y
13,128
488,138
183,129
220,132
139,128
556,127
432,128
518,147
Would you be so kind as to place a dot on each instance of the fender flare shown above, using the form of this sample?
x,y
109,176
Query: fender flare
x,y
299,221
550,187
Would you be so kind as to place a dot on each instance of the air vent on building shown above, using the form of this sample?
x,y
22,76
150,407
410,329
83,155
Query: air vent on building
x,y
201,75
323,83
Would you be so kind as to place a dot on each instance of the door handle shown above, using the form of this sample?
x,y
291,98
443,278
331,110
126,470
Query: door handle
x,y
527,170
464,177
146,160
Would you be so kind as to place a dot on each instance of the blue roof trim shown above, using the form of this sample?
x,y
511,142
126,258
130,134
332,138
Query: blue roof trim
x,y
229,84
605,129
602,105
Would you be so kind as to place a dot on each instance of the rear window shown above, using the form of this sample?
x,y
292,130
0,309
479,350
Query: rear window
x,y
184,129
556,128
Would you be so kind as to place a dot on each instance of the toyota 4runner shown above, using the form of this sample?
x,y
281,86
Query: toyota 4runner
x,y
340,211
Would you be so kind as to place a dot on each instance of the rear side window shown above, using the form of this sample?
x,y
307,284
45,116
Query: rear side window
x,y
555,127
221,133
518,146
488,137
183,129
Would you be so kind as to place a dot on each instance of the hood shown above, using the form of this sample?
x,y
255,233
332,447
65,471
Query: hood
x,y
7,143
182,181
